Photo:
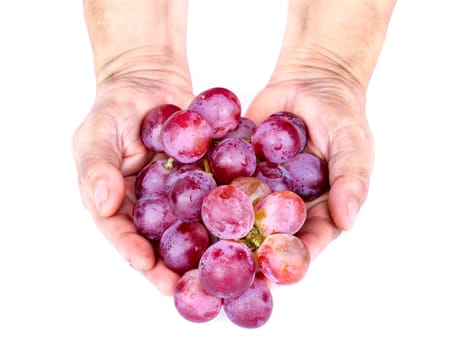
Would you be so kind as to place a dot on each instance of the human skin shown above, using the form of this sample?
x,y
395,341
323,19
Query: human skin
x,y
139,47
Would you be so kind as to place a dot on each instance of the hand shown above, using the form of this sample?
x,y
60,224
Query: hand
x,y
108,152
332,103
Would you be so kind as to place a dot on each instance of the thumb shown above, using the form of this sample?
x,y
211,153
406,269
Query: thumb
x,y
98,166
350,168
265,103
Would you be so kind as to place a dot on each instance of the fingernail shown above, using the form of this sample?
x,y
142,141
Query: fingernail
x,y
352,211
100,194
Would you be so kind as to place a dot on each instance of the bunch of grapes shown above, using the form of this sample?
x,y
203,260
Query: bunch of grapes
x,y
223,203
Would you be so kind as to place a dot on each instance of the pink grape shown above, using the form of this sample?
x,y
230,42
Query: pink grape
x,y
283,258
227,212
253,187
186,136
280,212
182,245
251,309
232,158
152,124
276,140
192,302
187,193
309,175
220,107
152,216
227,269
151,179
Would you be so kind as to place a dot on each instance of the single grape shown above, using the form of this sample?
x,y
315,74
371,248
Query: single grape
x,y
251,309
152,124
298,122
274,175
151,179
182,245
232,158
227,212
220,107
309,175
187,193
283,258
227,269
244,130
192,302
152,216
280,212
253,187
276,140
186,136
178,170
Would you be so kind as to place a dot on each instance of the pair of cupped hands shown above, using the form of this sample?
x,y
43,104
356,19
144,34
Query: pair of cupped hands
x,y
108,151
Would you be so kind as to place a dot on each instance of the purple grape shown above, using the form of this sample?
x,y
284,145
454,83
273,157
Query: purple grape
x,y
192,302
298,122
274,175
309,175
227,269
220,107
152,216
280,212
232,158
276,140
151,179
152,124
251,309
227,212
187,193
244,130
186,136
182,245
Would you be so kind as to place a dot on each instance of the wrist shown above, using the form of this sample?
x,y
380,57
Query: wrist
x,y
348,35
136,37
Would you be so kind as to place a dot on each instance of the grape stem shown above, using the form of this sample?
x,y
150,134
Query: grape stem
x,y
169,165
253,239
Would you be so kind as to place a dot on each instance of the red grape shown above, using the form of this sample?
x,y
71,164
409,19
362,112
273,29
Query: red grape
x,y
188,192
227,269
298,122
251,309
276,140
280,212
182,245
274,175
152,124
186,136
232,158
244,130
151,179
220,107
283,258
152,216
192,302
227,212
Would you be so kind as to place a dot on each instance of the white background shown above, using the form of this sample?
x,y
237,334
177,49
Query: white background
x,y
390,283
